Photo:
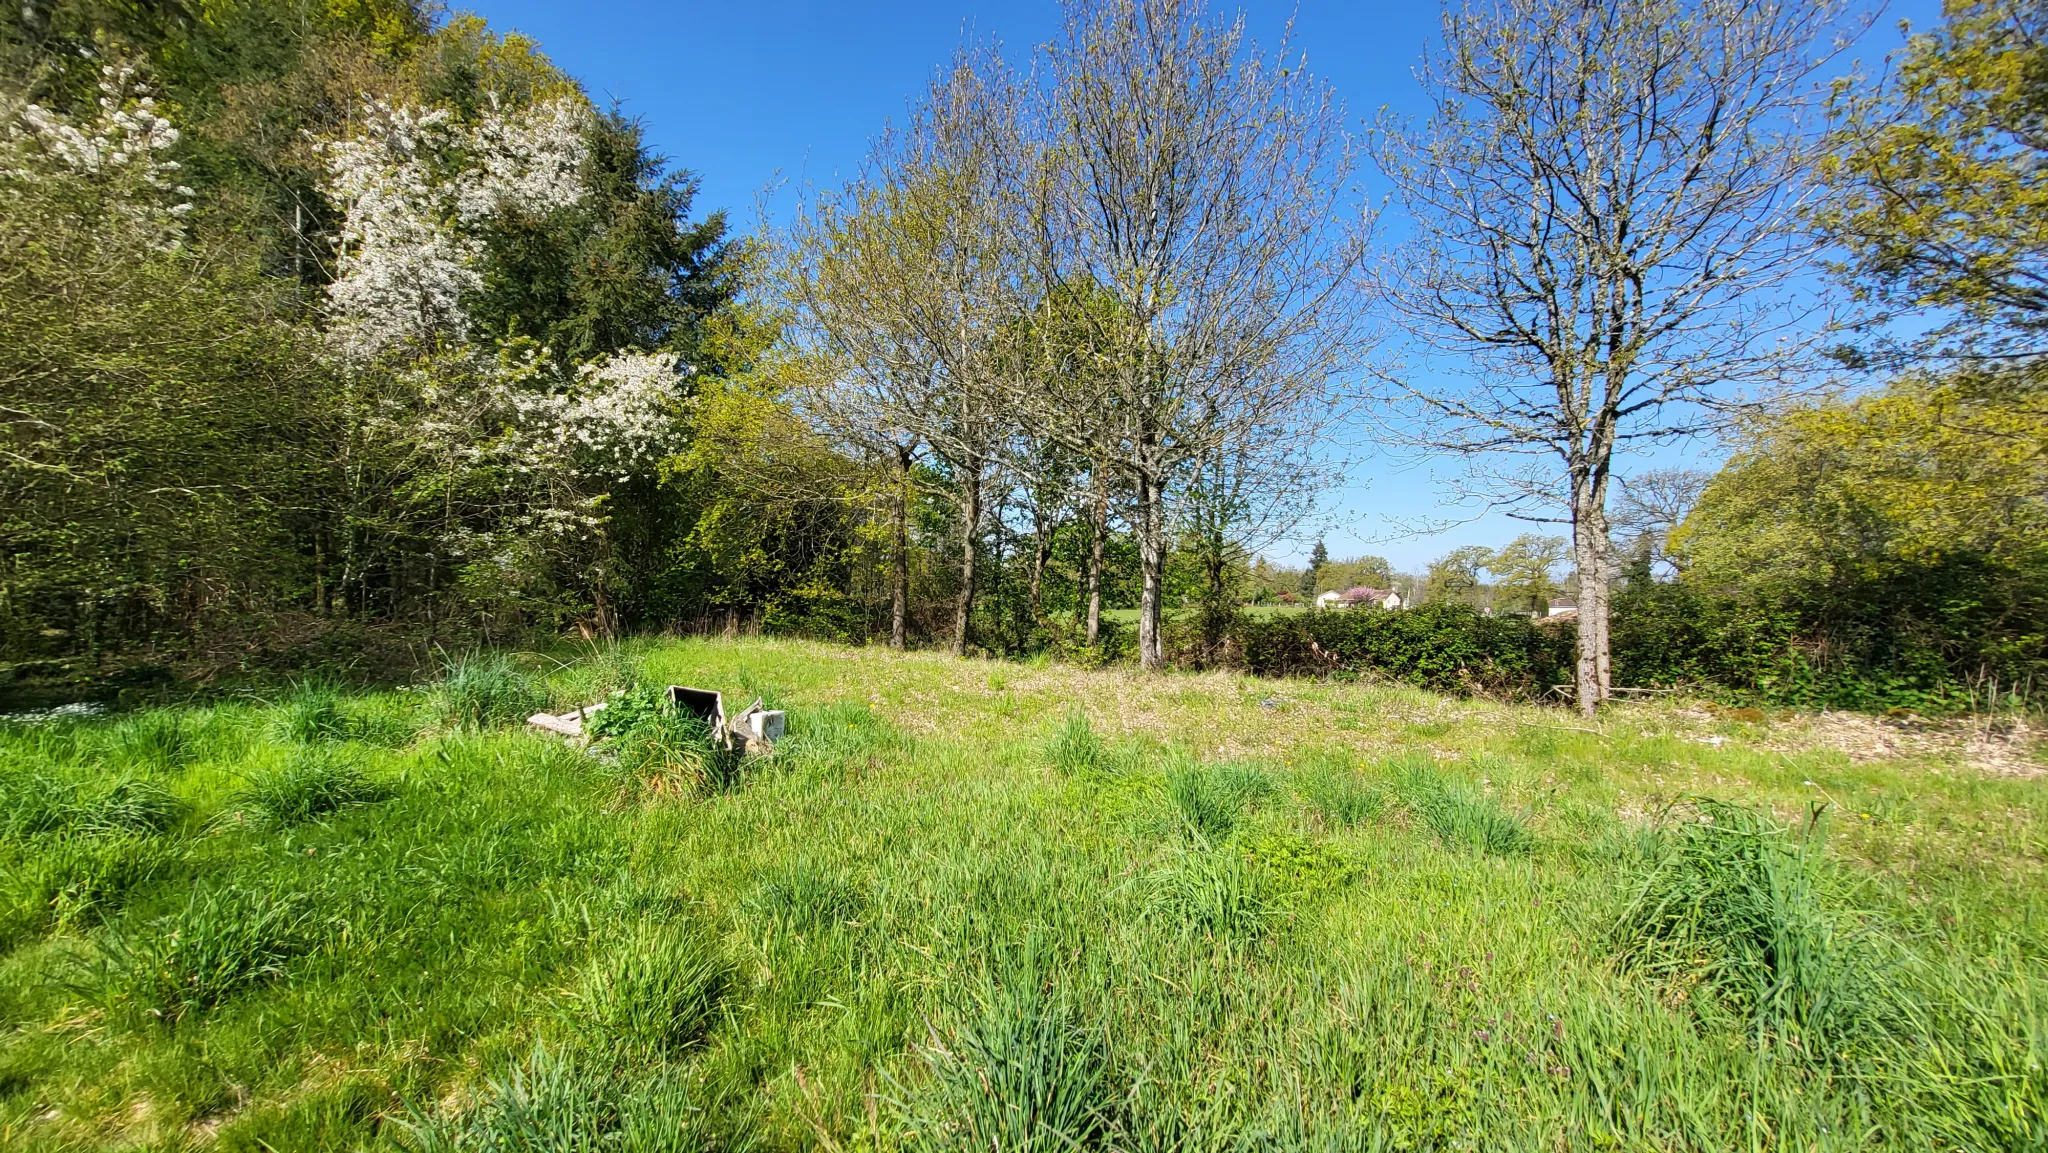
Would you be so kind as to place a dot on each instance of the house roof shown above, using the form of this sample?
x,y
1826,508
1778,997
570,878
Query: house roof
x,y
1366,594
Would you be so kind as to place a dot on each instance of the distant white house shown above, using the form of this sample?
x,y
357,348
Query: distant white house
x,y
1355,598
1559,608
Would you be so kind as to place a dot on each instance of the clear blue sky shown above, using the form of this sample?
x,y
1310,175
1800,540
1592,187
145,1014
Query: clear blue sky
x,y
757,95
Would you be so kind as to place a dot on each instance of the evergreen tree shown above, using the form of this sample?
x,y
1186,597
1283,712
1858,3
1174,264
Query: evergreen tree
x,y
1317,558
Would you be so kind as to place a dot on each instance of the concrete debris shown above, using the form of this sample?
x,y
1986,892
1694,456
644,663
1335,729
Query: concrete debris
x,y
569,724
753,732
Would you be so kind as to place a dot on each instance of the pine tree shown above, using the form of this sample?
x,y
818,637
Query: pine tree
x,y
1316,560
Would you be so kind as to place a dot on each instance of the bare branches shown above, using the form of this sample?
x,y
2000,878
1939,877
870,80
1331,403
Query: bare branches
x,y
1606,203
1197,249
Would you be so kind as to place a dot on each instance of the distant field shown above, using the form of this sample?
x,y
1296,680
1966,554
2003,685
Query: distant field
x,y
976,905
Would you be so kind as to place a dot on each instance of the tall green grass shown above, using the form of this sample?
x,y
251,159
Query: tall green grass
x,y
478,690
899,933
309,784
656,990
222,940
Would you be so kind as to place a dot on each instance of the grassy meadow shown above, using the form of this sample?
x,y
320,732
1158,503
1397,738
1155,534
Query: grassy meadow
x,y
1009,907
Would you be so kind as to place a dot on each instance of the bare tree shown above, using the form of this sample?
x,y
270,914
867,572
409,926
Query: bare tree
x,y
909,278
1652,504
1191,196
1605,234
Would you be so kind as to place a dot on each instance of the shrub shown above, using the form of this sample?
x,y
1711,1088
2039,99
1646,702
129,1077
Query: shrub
x,y
1458,816
312,782
656,991
478,690
221,941
1022,1073
1446,647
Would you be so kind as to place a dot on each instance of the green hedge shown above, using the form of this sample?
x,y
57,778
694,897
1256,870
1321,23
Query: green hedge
x,y
1445,647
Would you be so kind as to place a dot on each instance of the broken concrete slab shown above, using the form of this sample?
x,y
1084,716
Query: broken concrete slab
x,y
569,724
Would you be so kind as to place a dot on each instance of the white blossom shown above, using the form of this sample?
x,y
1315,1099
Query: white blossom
x,y
416,185
529,161
625,413
122,150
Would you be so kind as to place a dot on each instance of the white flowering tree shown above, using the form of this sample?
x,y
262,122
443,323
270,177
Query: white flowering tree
x,y
520,451
119,158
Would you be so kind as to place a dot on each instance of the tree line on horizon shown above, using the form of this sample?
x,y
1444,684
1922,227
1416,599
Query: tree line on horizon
x,y
339,333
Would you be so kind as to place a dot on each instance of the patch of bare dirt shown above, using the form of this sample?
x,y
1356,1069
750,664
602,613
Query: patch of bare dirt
x,y
1998,747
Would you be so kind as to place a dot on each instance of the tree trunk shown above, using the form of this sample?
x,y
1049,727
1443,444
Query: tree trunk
x,y
1589,555
1152,563
899,561
1041,556
970,525
1098,519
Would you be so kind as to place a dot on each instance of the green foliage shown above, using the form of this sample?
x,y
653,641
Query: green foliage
x,y
1890,552
1208,800
72,882
312,711
803,899
1212,894
1443,646
1074,747
1340,794
1298,983
656,990
1941,188
159,740
221,941
35,803
310,784
1732,900
663,750
557,1103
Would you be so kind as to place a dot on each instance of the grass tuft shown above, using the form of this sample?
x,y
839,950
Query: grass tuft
x,y
159,740
1460,817
804,899
1208,800
1218,895
311,783
221,941
74,882
312,711
556,1103
33,804
656,992
480,690
1074,748
1735,901
1023,1073
1329,786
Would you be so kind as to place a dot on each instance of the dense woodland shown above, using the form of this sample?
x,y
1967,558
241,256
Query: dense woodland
x,y
337,334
